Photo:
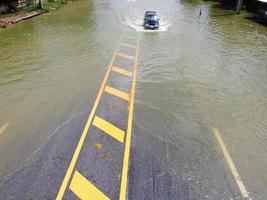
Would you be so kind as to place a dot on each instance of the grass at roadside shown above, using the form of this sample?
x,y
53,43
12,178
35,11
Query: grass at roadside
x,y
52,5
47,6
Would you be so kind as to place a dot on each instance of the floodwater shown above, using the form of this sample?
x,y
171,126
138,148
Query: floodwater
x,y
195,73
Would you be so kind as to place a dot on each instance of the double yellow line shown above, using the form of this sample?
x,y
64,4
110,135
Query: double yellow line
x,y
126,156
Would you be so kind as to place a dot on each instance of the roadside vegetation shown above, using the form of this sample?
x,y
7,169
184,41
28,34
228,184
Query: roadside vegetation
x,y
46,6
52,5
27,10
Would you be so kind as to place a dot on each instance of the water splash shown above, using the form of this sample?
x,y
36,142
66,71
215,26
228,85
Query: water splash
x,y
131,13
137,24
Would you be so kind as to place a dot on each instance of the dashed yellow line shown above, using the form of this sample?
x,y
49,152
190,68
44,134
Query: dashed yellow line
x,y
4,127
108,128
122,71
85,131
125,167
230,163
84,189
117,93
125,56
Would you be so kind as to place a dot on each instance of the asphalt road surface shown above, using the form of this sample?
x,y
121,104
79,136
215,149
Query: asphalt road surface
x,y
95,107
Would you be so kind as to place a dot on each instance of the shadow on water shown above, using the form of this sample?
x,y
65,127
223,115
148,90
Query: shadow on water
x,y
222,6
258,19
222,15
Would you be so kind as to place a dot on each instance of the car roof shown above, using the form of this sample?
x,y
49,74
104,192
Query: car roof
x,y
151,12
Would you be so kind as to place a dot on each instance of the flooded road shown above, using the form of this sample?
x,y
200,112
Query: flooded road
x,y
195,75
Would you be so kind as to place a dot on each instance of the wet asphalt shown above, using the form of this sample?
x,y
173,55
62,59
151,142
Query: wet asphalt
x,y
194,74
158,169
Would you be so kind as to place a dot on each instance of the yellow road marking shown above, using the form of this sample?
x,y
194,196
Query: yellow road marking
x,y
128,45
4,127
122,71
108,128
130,37
125,167
230,163
126,56
117,93
85,131
84,189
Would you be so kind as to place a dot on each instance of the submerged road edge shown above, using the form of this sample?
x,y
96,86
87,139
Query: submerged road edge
x,y
230,163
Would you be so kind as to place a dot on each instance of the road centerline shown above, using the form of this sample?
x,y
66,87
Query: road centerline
x,y
128,45
117,93
122,71
72,164
84,189
125,168
122,136
109,128
123,55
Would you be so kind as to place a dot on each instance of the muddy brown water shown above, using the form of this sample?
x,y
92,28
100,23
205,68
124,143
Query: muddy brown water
x,y
194,74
